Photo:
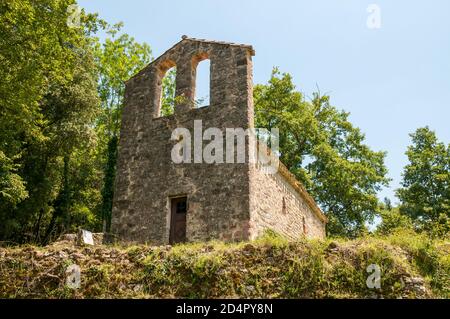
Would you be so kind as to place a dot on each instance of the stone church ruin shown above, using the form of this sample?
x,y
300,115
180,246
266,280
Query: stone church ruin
x,y
157,201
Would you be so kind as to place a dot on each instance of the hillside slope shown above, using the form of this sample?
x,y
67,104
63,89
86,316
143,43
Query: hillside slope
x,y
411,266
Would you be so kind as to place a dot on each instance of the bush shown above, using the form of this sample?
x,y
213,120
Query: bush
x,y
393,220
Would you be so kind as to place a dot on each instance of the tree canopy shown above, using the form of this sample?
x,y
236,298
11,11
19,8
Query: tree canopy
x,y
425,191
48,104
320,146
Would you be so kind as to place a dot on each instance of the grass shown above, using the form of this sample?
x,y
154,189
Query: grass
x,y
269,267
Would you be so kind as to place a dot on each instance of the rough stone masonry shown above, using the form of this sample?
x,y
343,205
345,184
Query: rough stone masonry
x,y
159,202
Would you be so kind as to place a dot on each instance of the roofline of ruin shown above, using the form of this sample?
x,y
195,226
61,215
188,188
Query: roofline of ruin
x,y
184,39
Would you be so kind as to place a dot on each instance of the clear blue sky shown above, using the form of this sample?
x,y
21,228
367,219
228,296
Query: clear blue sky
x,y
392,80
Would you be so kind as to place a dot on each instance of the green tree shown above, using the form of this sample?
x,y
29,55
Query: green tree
x,y
118,58
425,191
392,219
320,146
48,104
70,111
12,186
168,92
60,107
31,55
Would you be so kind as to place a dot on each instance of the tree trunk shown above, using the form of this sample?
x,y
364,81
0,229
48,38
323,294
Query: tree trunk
x,y
61,203
108,186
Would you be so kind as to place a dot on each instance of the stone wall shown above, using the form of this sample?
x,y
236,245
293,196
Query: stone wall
x,y
217,194
276,204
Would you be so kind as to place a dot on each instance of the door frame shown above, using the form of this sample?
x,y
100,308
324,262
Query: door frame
x,y
170,218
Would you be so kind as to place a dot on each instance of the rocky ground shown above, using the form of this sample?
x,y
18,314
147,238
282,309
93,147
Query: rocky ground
x,y
409,267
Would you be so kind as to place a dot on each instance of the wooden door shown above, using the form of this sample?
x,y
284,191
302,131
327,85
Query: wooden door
x,y
178,220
